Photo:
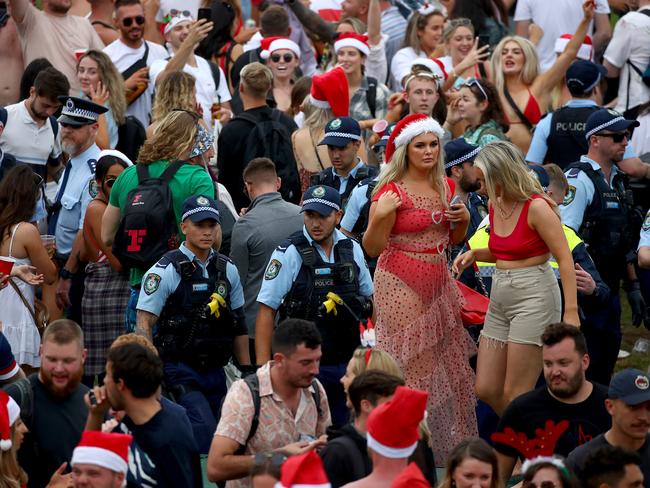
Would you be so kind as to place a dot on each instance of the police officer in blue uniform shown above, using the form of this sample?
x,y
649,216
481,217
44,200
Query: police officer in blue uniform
x,y
194,297
303,274
79,127
599,207
343,140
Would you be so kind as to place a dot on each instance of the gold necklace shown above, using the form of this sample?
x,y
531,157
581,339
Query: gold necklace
x,y
503,214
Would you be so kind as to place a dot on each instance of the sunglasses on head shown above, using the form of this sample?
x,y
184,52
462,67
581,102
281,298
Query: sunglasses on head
x,y
127,21
617,136
286,56
179,13
474,82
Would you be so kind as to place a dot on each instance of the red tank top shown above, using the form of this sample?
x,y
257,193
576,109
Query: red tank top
x,y
523,242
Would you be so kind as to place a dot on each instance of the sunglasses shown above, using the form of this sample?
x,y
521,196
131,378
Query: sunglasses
x,y
38,181
474,82
543,484
127,21
109,182
617,136
65,125
286,56
179,13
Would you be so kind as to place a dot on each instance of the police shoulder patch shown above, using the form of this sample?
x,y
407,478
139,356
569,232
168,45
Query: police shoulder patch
x,y
272,270
151,283
570,195
573,173
93,188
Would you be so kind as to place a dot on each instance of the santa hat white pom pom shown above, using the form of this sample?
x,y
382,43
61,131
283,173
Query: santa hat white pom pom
x,y
5,444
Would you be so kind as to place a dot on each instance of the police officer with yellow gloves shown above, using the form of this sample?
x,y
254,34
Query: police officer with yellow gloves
x,y
194,297
318,274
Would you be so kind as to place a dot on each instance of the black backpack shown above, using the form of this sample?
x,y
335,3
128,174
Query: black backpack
x,y
130,137
270,139
148,227
53,122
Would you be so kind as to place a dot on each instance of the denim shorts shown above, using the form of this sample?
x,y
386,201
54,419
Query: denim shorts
x,y
523,302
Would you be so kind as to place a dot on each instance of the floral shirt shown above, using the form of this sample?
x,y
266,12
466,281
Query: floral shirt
x,y
277,424
485,133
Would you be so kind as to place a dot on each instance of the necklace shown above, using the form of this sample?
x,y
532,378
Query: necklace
x,y
505,216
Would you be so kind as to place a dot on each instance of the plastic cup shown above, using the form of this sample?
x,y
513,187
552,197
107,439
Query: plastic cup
x,y
48,239
78,53
6,263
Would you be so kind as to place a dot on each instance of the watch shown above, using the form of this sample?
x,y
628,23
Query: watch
x,y
65,274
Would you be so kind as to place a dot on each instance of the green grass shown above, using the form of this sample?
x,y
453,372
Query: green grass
x,y
630,335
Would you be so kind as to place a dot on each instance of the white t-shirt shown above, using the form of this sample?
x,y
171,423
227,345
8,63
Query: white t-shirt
x,y
205,87
631,41
641,138
124,57
555,17
167,5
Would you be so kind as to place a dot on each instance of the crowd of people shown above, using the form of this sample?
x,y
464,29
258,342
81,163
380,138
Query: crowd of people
x,y
364,243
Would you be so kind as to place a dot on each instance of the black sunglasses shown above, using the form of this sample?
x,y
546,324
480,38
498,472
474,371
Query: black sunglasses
x,y
127,21
70,126
286,56
109,182
176,13
617,137
543,484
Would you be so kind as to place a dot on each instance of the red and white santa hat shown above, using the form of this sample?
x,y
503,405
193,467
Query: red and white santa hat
x,y
9,413
304,471
393,426
270,44
103,449
585,52
352,39
330,90
410,477
409,127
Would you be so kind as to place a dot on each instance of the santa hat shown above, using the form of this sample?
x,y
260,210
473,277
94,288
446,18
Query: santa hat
x,y
9,413
409,127
304,471
103,449
330,90
352,39
585,52
270,44
393,426
410,477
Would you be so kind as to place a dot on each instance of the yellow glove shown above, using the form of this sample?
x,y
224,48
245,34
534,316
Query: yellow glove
x,y
216,301
332,301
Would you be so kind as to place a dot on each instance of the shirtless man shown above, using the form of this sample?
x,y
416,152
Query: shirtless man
x,y
12,59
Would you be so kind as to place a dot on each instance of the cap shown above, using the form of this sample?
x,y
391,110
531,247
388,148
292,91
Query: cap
x,y
270,44
341,131
321,199
9,413
584,75
200,207
586,50
459,151
607,119
104,449
352,39
303,471
176,20
408,128
630,385
541,174
78,112
330,91
393,426
116,154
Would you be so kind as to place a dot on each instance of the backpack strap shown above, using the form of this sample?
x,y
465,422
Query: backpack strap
x,y
216,74
142,170
253,383
516,109
246,117
306,250
371,95
316,396
55,126
171,170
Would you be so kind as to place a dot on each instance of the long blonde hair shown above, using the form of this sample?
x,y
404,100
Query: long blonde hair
x,y
502,164
172,138
316,118
112,81
177,90
11,474
531,62
397,167
366,359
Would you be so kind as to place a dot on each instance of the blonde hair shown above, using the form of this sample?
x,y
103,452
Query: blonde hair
x,y
531,61
257,79
556,177
378,360
316,118
112,81
502,164
417,22
454,24
397,167
357,25
11,474
133,339
172,138
177,90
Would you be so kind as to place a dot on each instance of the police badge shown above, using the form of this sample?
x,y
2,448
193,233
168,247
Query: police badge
x,y
273,269
151,283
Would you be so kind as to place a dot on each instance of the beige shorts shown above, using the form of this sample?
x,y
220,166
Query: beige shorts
x,y
522,303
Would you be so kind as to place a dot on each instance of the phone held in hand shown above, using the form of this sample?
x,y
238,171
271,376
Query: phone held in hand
x,y
205,13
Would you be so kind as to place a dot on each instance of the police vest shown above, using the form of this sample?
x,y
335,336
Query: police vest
x,y
187,332
315,280
326,177
364,214
574,241
566,141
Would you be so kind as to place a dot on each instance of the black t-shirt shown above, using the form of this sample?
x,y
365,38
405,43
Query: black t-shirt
x,y
576,459
572,424
54,430
172,457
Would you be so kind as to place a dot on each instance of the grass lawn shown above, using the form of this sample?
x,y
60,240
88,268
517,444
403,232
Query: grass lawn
x,y
630,335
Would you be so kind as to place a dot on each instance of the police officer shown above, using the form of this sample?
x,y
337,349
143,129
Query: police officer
x,y
343,140
79,127
599,207
195,297
301,276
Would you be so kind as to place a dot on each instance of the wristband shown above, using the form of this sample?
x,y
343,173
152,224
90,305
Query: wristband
x,y
65,274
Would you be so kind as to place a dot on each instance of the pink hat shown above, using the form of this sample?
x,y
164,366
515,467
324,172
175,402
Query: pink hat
x,y
107,450
585,52
270,44
351,39
304,471
9,413
330,90
393,426
409,127
410,477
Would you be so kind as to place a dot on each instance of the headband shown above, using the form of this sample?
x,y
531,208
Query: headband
x,y
203,141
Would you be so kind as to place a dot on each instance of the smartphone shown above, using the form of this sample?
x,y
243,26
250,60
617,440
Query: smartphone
x,y
483,40
205,13
455,201
92,398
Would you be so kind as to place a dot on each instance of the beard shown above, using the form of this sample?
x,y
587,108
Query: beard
x,y
59,7
69,147
570,387
74,380
468,185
